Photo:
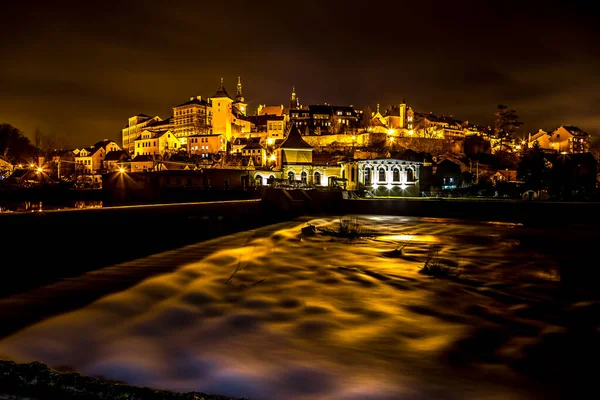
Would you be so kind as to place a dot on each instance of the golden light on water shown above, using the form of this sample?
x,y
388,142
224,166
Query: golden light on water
x,y
410,238
356,314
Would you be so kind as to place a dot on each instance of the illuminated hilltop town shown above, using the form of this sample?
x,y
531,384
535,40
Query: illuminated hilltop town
x,y
393,150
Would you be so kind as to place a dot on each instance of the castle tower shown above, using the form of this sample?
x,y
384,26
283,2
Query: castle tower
x,y
222,112
402,114
239,103
294,102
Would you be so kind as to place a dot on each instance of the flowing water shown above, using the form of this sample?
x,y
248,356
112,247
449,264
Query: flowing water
x,y
295,315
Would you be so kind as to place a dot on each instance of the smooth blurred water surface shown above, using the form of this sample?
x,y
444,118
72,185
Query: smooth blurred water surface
x,y
294,316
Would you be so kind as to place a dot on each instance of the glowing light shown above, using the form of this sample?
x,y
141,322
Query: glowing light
x,y
272,157
121,170
20,166
403,186
31,165
270,141
410,132
391,138
390,131
389,186
40,169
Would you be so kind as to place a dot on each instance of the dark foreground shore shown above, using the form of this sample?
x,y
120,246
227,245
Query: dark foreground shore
x,y
37,381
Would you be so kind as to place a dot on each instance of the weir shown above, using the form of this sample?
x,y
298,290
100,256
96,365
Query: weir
x,y
49,245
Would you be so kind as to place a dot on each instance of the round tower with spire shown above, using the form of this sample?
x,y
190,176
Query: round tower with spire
x,y
222,116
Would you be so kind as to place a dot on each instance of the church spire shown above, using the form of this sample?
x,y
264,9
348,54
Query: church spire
x,y
239,87
239,103
294,99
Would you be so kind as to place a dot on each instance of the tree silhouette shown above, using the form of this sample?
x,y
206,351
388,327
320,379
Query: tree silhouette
x,y
365,118
15,147
506,125
534,170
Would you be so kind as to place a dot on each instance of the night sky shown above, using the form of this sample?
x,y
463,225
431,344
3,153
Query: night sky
x,y
80,69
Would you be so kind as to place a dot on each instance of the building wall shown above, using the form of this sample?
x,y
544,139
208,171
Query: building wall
x,y
91,162
206,144
222,117
561,140
132,131
112,146
150,144
404,182
292,156
169,143
191,119
316,141
316,175
276,129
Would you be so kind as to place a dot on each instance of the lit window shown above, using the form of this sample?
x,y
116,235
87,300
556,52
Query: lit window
x,y
317,178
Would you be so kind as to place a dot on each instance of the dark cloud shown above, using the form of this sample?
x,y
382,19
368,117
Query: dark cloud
x,y
81,69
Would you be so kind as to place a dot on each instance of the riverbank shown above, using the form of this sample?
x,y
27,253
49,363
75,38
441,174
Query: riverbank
x,y
35,380
531,213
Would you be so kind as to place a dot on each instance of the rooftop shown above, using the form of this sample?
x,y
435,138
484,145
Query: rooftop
x,y
294,140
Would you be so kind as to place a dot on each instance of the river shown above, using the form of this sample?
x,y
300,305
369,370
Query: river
x,y
293,315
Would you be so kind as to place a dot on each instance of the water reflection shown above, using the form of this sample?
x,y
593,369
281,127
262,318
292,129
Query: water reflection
x,y
289,316
38,206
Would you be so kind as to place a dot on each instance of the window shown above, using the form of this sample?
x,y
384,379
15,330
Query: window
x,y
410,175
396,175
381,174
317,178
259,180
290,177
303,177
270,180
351,174
368,176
